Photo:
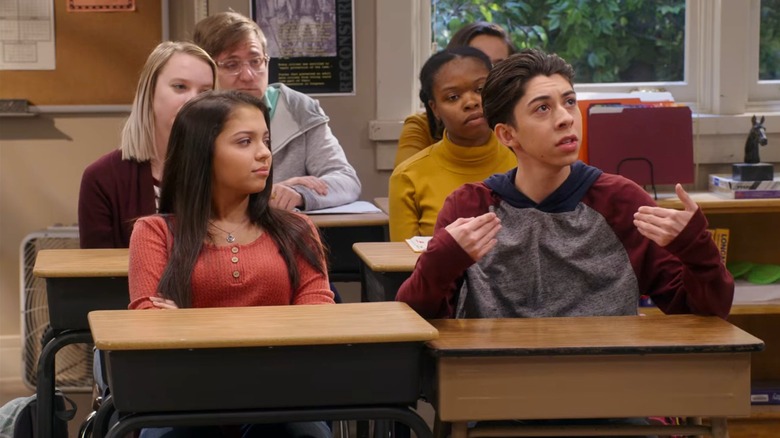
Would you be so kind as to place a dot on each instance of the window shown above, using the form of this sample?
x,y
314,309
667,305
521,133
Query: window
x,y
720,65
769,41
765,74
620,45
606,42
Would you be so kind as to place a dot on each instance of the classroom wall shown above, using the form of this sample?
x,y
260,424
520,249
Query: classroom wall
x,y
42,159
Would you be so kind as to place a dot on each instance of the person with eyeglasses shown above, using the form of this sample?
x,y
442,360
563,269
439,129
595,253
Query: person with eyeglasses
x,y
311,170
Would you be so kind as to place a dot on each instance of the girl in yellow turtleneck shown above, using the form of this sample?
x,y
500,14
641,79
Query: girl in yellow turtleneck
x,y
451,82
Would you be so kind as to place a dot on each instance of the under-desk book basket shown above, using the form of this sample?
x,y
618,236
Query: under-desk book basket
x,y
73,362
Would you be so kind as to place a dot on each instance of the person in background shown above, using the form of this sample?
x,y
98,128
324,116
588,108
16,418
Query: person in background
x,y
555,237
450,85
418,133
311,171
217,241
123,185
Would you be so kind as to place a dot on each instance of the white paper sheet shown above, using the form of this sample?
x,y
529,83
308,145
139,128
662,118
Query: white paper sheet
x,y
27,35
354,207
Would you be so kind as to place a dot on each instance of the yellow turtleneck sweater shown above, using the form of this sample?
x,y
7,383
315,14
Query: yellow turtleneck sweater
x,y
419,185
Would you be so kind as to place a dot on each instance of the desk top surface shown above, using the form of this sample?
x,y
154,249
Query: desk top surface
x,y
63,263
383,204
712,203
708,201
657,334
113,262
349,220
386,256
225,327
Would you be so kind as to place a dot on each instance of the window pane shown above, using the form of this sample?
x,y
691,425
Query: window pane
x,y
607,41
769,47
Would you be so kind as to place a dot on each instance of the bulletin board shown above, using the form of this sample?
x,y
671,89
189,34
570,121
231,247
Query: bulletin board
x,y
99,56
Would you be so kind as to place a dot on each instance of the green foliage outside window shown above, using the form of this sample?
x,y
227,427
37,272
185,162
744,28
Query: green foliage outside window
x,y
605,40
769,50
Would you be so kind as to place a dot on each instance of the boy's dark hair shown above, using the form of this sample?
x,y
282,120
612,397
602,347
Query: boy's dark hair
x,y
508,80
465,34
428,75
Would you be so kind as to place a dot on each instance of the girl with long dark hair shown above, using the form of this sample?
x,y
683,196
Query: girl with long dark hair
x,y
216,242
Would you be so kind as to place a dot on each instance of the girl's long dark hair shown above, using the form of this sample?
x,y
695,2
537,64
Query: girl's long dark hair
x,y
428,75
185,196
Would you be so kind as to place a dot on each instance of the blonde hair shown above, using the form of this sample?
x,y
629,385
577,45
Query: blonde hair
x,y
137,142
225,30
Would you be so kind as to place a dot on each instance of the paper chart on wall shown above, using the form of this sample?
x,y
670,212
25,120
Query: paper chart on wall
x,y
310,42
27,35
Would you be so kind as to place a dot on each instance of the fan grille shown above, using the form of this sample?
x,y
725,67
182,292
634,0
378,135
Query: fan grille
x,y
73,362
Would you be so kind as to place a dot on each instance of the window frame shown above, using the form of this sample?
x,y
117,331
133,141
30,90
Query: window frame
x,y
760,93
724,99
716,46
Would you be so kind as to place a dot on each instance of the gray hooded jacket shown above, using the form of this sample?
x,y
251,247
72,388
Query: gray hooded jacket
x,y
303,145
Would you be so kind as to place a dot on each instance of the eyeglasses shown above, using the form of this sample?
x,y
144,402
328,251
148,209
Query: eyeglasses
x,y
235,66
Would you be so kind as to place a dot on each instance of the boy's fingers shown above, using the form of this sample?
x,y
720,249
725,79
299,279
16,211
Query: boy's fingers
x,y
655,211
685,198
486,248
489,235
482,225
486,217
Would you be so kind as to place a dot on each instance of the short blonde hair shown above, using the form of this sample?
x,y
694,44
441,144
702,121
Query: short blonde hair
x,y
226,30
137,142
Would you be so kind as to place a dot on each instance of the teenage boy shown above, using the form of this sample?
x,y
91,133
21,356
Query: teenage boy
x,y
556,237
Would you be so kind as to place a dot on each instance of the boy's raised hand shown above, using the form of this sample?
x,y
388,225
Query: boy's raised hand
x,y
476,235
663,225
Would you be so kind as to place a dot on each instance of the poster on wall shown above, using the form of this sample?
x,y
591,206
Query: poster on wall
x,y
310,42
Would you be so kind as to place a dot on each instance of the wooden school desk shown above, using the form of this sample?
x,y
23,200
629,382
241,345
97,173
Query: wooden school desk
x,y
263,364
383,267
81,280
590,367
340,231
77,282
383,204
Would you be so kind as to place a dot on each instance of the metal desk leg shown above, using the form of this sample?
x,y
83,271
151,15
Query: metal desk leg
x,y
46,377
382,429
401,430
103,417
362,428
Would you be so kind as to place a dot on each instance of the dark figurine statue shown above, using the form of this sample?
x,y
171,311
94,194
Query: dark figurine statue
x,y
756,137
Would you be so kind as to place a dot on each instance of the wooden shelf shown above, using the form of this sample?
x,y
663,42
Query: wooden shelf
x,y
765,411
737,309
711,203
754,237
